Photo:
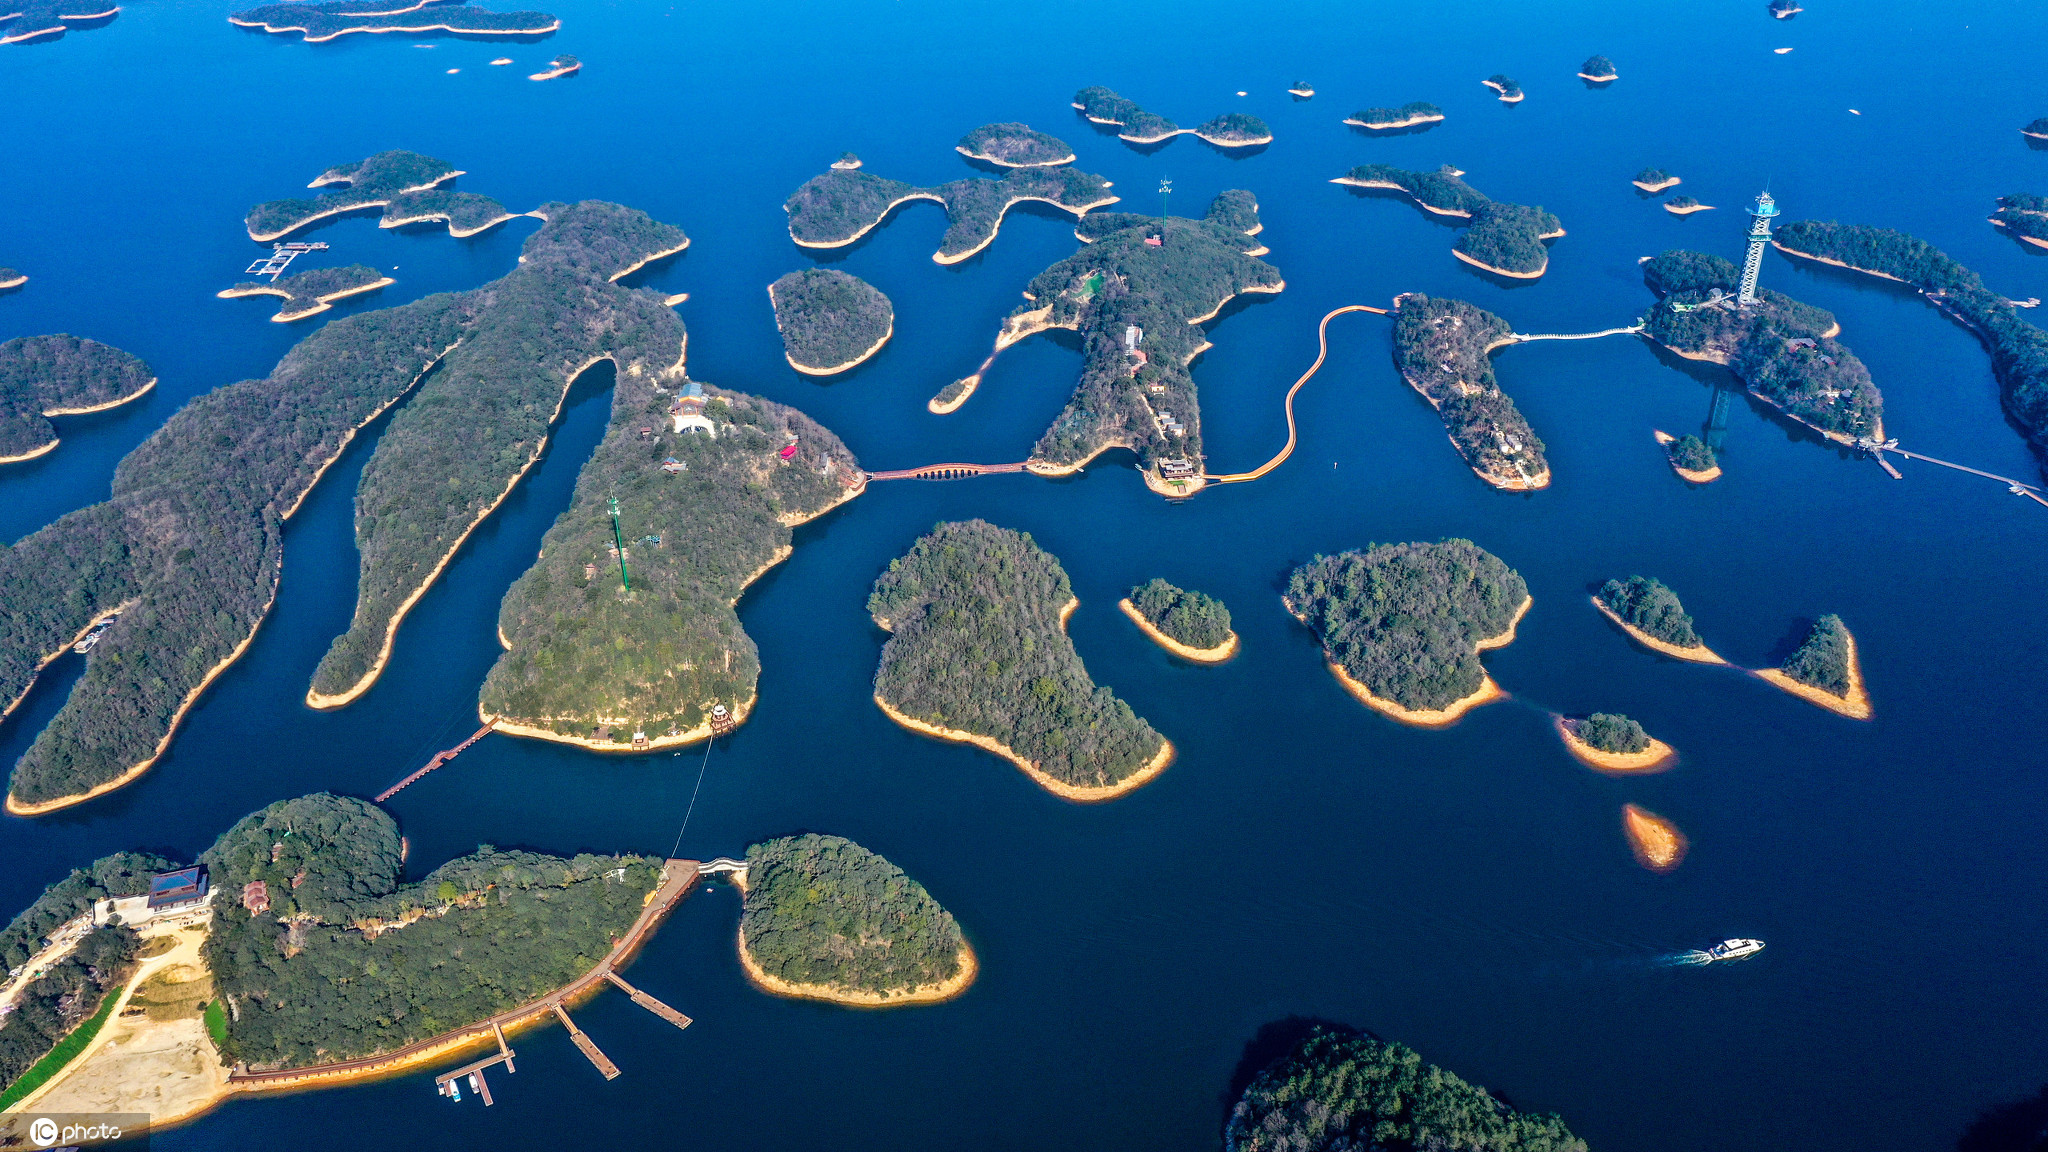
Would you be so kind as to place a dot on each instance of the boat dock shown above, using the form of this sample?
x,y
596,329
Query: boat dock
x,y
439,759
475,1071
648,1002
585,1045
280,258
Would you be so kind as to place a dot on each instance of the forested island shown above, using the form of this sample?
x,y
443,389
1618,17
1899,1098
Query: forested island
x,y
1690,457
1301,90
11,279
1654,180
2036,128
313,292
1824,670
979,653
1137,294
25,20
2019,350
453,454
61,375
2024,215
1402,625
842,205
321,22
1337,1090
1685,206
1442,348
1015,146
826,919
1510,92
1504,238
708,484
1785,9
405,184
1613,743
1230,130
1783,350
1598,70
1652,615
1406,116
560,66
829,320
1188,624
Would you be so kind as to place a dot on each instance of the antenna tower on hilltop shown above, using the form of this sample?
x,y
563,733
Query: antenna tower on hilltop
x,y
1760,218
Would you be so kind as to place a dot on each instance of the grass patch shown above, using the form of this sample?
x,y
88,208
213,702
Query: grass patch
x,y
66,1050
217,1024
156,946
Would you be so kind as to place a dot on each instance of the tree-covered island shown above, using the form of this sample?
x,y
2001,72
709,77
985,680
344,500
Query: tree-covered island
x,y
1824,670
2019,350
1406,116
1785,9
1443,349
45,376
405,184
560,66
842,205
1230,130
1402,625
11,279
1686,206
2024,215
1301,90
1614,743
1510,92
1015,146
2036,128
22,21
979,653
1506,239
1137,294
1598,70
829,320
1690,457
826,919
1782,350
1337,1090
1655,180
1188,624
312,292
318,23
708,484
1652,616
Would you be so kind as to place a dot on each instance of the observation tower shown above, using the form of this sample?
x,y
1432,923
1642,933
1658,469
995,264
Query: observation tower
x,y
1760,218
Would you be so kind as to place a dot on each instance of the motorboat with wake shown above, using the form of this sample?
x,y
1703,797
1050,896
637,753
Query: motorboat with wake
x,y
1736,949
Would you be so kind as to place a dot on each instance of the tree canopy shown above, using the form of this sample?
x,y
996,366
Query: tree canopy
x,y
1194,619
1442,349
42,375
828,318
1598,67
1505,237
823,910
1016,146
840,205
306,293
1645,603
329,19
1822,660
1610,732
367,183
1413,112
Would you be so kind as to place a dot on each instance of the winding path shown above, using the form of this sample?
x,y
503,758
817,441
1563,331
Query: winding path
x,y
1322,353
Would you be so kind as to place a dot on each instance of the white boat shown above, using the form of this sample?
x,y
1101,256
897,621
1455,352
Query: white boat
x,y
91,639
1735,949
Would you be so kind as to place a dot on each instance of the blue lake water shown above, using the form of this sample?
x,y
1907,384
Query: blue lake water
x,y
1469,891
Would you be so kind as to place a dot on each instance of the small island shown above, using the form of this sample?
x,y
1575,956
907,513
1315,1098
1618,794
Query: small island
x,y
1652,616
313,292
826,919
1657,843
10,279
61,375
1443,349
1824,671
1014,146
830,321
2025,216
1690,457
1655,180
1188,624
1403,625
842,205
979,654
1230,130
1510,92
2036,129
1505,239
1336,1088
1614,743
1387,119
405,184
563,65
24,21
1301,90
318,23
1235,130
1598,70
1785,9
847,162
1685,206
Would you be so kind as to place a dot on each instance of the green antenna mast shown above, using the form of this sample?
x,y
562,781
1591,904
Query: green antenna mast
x,y
1165,187
619,538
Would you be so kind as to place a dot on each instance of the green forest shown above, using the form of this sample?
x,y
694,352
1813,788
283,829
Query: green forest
x,y
1395,117
1405,620
978,646
303,290
1692,454
1015,146
1344,1091
829,318
1652,176
350,962
10,279
1441,347
1598,68
40,374
1507,87
325,21
584,653
2038,126
1643,602
1682,202
70,993
1505,237
120,875
465,212
366,183
824,910
839,205
2019,350
1194,619
1611,732
1235,128
1106,107
1822,659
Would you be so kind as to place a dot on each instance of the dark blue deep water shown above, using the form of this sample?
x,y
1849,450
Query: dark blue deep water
x,y
1468,891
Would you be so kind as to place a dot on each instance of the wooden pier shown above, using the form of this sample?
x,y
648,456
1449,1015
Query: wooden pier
x,y
280,258
439,759
586,1045
648,1002
475,1071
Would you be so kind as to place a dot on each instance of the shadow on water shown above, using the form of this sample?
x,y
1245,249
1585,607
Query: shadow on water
x,y
1267,1046
1395,194
2021,1126
1388,133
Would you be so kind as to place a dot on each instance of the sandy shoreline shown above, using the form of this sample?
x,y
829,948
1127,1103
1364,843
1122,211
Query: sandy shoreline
x,y
1505,98
1380,127
1477,263
89,409
1698,655
938,407
320,303
1216,655
1657,843
32,453
1004,212
1656,758
16,282
1393,187
294,226
556,73
864,229
1687,209
1856,705
1610,78
1659,186
377,29
970,967
831,369
1079,793
1697,476
1444,717
1067,159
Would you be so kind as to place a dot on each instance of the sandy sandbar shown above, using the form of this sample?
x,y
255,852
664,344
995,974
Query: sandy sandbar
x,y
1855,705
1657,842
1696,475
944,990
1656,758
1216,655
1659,186
1700,654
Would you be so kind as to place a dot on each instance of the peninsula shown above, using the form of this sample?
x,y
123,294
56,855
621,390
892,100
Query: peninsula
x,y
1685,206
1015,146
830,320
2019,350
2025,216
61,375
318,23
1505,239
1188,624
843,205
1598,70
707,485
1824,671
406,185
1657,843
1230,130
1402,625
1138,294
1655,180
27,20
313,292
1614,743
560,66
1652,616
1510,92
1386,119
979,653
826,919
1443,350
1689,456
1341,1089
